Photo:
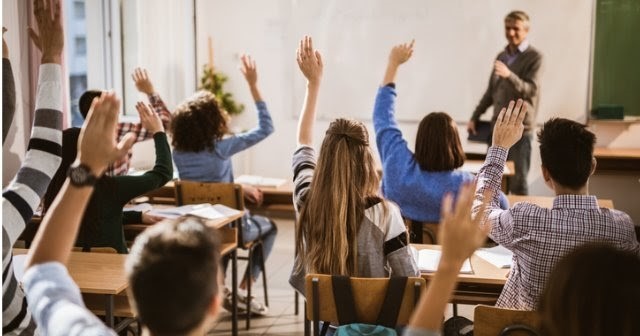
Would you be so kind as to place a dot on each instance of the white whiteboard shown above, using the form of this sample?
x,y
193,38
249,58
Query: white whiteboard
x,y
456,43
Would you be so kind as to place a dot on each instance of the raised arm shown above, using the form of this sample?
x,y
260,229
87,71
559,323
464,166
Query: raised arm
x,y
460,236
22,196
162,172
96,149
239,142
144,85
507,131
310,63
388,135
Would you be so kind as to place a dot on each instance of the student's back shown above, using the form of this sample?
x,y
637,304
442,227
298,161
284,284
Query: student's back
x,y
343,227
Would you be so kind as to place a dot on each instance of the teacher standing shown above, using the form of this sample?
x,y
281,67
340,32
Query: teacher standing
x,y
515,75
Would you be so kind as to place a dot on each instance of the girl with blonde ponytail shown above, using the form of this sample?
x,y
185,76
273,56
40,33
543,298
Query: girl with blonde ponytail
x,y
344,227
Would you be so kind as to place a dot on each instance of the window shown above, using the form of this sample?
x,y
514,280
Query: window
x,y
81,46
78,10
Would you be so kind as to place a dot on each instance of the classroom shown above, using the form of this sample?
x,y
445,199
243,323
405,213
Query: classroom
x,y
359,138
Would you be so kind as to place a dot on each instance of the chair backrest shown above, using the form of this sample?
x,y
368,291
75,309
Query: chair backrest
x,y
190,192
97,250
422,232
368,294
494,321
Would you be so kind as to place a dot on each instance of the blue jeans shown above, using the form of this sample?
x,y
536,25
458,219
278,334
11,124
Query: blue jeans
x,y
254,227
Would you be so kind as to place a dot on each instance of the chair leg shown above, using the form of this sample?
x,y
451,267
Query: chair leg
x,y
264,275
249,280
455,309
295,302
307,323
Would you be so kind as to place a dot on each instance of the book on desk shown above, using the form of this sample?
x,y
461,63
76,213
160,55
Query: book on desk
x,y
204,210
428,260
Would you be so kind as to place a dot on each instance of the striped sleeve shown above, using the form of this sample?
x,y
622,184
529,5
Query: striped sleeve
x,y
22,196
304,164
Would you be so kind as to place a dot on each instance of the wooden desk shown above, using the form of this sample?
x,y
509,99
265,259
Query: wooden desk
x,y
617,159
103,274
547,201
277,202
482,287
98,273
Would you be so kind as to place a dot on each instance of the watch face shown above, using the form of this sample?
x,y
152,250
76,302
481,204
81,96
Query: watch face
x,y
81,176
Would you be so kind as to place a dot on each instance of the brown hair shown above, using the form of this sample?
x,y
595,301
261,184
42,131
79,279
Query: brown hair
x,y
438,145
594,290
198,123
345,181
173,275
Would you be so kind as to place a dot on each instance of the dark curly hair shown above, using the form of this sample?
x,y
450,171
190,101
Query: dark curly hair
x,y
198,123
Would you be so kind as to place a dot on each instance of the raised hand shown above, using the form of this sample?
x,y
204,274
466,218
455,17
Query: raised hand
x,y
309,60
149,120
509,127
460,235
50,36
5,48
249,70
142,81
398,55
501,69
97,146
401,53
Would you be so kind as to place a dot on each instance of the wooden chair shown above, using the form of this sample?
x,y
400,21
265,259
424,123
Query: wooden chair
x,y
368,294
422,232
97,250
492,321
229,194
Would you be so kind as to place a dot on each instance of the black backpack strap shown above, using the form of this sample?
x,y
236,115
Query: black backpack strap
x,y
343,298
388,315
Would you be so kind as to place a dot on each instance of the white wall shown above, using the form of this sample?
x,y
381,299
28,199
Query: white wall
x,y
15,20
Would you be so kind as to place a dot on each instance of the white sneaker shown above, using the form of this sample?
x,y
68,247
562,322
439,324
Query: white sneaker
x,y
257,307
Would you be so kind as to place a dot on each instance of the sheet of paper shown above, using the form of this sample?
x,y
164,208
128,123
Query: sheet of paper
x,y
205,210
142,207
498,256
18,266
428,261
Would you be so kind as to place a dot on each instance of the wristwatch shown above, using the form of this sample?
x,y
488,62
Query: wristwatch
x,y
80,175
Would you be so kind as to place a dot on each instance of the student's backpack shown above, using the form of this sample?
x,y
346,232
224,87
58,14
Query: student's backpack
x,y
386,321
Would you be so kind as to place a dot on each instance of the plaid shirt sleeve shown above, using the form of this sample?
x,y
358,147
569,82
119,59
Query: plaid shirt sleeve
x,y
490,179
142,134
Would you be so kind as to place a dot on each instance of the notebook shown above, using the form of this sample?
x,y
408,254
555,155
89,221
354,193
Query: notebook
x,y
483,132
428,260
498,256
205,210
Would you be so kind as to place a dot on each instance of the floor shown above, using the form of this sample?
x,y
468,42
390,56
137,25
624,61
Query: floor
x,y
281,319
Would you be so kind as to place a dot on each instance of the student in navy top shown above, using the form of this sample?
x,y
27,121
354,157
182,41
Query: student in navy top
x,y
418,180
203,150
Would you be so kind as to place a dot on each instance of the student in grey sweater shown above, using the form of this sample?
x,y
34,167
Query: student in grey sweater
x,y
514,76
22,196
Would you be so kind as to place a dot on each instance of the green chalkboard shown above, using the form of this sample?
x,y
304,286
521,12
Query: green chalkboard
x,y
616,62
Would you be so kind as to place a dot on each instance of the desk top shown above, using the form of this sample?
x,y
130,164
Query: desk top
x,y
95,273
547,201
483,271
616,153
473,166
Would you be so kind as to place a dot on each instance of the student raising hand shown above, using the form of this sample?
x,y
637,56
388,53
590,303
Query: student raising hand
x,y
141,80
50,37
149,120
